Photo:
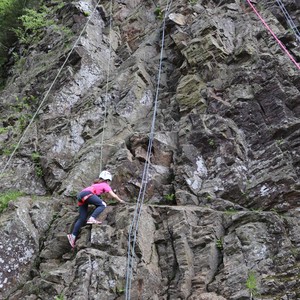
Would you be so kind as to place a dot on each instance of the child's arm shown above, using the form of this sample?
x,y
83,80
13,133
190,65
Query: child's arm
x,y
116,197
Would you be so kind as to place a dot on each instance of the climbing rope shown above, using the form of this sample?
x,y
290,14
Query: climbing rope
x,y
132,235
289,20
274,35
106,90
48,91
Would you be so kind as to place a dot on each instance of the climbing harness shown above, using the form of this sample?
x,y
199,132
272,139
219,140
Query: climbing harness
x,y
48,91
83,199
132,235
274,35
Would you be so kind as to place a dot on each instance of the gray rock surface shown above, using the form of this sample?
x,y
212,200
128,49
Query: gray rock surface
x,y
222,200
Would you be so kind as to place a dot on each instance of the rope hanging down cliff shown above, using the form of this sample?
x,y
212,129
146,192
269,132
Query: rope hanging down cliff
x,y
274,35
132,235
106,89
289,20
48,91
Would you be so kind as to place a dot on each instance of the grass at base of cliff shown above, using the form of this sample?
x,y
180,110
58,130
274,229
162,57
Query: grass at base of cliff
x,y
8,196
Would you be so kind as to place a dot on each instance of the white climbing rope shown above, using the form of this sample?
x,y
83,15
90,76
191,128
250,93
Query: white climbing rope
x,y
289,20
274,35
106,90
48,91
132,235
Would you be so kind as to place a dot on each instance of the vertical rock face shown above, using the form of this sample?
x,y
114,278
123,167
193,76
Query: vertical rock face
x,y
181,252
221,213
22,234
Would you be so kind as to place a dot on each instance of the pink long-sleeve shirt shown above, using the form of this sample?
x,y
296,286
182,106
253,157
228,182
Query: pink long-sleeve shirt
x,y
98,188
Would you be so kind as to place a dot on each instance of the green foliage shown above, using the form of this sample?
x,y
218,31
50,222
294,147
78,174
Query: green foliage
x,y
23,111
36,158
211,143
169,197
9,196
10,11
60,4
251,284
24,21
158,12
120,290
59,297
22,122
24,103
33,23
280,142
231,211
33,20
21,106
8,150
208,197
219,244
3,130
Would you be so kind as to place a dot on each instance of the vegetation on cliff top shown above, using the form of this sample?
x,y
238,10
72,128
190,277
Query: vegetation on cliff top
x,y
22,21
10,12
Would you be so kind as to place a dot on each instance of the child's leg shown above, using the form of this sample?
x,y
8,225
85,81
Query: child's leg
x,y
100,205
83,212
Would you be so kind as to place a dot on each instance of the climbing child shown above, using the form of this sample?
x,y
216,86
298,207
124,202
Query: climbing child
x,y
88,196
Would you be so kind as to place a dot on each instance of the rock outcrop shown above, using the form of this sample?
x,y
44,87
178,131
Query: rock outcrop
x,y
221,212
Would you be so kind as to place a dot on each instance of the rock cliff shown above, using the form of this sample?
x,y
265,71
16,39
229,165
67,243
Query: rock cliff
x,y
221,213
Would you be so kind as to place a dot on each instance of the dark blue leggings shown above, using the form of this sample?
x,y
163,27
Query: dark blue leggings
x,y
83,210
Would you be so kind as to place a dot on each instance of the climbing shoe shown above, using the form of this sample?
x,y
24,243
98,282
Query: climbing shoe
x,y
92,220
71,240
